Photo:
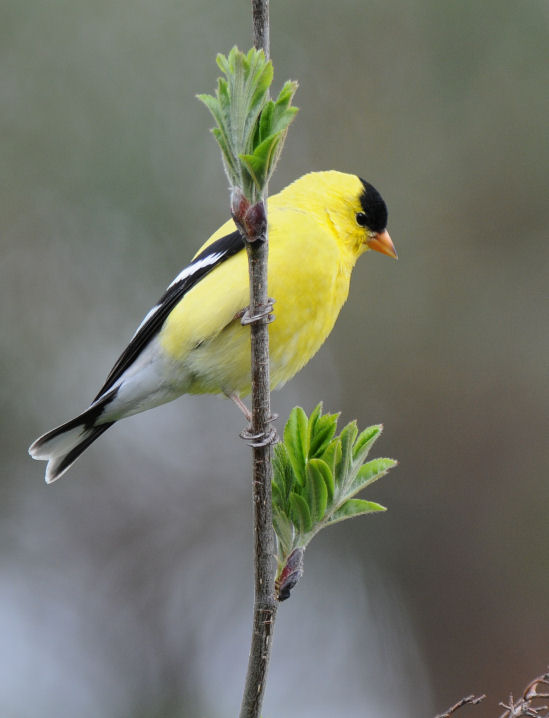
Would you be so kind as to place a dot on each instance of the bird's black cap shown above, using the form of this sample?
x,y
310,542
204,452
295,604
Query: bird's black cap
x,y
373,207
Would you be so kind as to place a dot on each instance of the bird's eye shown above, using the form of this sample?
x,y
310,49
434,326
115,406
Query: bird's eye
x,y
361,219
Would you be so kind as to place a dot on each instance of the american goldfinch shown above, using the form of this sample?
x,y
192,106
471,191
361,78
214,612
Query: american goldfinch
x,y
193,342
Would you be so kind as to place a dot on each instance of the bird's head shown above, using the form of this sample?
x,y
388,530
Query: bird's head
x,y
371,217
353,209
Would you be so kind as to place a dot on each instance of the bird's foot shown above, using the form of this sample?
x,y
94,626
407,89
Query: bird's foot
x,y
255,439
263,312
263,438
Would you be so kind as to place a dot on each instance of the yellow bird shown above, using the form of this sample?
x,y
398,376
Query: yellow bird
x,y
193,342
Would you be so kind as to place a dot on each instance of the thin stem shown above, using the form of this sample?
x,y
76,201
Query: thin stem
x,y
265,603
260,16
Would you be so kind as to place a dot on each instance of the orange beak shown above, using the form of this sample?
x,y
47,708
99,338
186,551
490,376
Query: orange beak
x,y
383,243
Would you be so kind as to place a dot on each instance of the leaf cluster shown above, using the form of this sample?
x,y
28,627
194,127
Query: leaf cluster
x,y
317,475
251,128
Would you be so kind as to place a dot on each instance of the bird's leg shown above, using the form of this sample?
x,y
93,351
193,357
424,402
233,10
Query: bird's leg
x,y
270,436
241,405
261,313
261,439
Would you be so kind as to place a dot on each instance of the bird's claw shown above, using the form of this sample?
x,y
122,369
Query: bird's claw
x,y
262,438
263,312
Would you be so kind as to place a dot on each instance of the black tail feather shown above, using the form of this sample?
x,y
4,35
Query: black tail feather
x,y
71,457
61,446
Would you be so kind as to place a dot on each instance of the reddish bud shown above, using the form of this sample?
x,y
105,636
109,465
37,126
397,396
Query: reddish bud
x,y
251,220
290,575
256,222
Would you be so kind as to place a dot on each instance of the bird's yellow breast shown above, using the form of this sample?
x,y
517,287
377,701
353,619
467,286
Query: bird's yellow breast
x,y
308,276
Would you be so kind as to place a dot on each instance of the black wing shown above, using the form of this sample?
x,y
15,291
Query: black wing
x,y
214,254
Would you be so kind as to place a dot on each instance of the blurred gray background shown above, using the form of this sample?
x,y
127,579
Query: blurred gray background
x,y
126,588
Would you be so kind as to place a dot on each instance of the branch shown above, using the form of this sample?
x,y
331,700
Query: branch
x,y
265,603
250,131
260,17
532,703
471,700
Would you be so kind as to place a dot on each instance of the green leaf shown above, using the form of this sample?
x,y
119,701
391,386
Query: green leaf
x,y
277,116
355,507
212,104
283,473
285,532
296,442
313,491
278,495
282,114
250,128
365,441
313,418
332,454
226,151
256,98
223,62
258,164
370,472
321,468
323,433
347,436
300,514
262,157
316,491
263,128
